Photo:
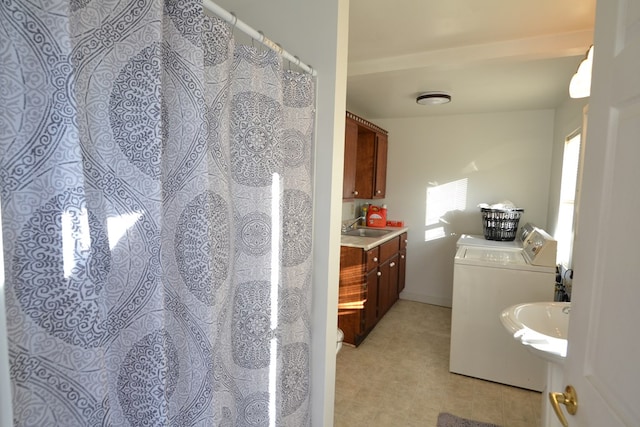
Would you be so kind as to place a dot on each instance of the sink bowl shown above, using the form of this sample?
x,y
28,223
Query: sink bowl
x,y
366,232
541,326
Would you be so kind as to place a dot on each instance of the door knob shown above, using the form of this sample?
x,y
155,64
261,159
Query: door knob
x,y
569,398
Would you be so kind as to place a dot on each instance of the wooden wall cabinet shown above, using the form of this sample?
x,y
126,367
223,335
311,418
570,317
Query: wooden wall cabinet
x,y
376,276
365,170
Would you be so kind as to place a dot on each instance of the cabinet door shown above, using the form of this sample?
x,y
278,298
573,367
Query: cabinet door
x,y
371,305
387,285
366,163
349,190
380,186
351,291
402,262
394,269
402,270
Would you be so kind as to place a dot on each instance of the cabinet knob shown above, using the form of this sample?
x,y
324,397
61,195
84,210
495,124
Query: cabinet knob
x,y
406,240
375,259
355,192
379,191
393,264
379,273
402,256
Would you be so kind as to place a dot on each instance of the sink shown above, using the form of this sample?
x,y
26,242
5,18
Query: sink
x,y
366,232
541,326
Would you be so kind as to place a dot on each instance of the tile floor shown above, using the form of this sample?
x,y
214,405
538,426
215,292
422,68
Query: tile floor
x,y
399,376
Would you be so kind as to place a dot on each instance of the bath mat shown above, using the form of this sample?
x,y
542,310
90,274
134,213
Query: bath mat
x,y
448,420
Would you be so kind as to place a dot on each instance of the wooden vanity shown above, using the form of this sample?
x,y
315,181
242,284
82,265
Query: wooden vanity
x,y
372,275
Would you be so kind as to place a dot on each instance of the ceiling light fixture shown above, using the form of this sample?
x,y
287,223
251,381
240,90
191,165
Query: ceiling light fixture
x,y
433,98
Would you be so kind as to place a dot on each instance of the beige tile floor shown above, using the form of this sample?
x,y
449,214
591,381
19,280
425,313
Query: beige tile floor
x,y
399,376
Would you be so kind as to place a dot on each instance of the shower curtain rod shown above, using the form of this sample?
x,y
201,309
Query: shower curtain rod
x,y
236,23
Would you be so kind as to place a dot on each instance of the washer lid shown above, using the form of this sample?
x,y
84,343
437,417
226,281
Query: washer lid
x,y
477,240
496,258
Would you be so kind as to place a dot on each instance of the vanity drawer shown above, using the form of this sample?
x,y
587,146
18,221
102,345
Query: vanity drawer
x,y
389,249
373,258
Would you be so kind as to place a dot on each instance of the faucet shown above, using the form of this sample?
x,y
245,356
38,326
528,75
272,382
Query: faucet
x,y
347,227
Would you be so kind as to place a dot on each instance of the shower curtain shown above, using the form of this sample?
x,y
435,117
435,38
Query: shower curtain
x,y
157,208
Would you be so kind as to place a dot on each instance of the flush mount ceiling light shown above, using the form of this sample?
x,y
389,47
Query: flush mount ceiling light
x,y
433,98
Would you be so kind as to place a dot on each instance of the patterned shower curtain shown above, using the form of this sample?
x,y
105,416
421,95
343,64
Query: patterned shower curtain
x,y
157,208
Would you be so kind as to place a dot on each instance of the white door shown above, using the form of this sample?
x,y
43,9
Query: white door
x,y
603,362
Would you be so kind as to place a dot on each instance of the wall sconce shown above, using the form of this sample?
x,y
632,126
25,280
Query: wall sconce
x,y
580,86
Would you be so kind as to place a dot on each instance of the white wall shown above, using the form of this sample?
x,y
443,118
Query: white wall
x,y
501,155
317,32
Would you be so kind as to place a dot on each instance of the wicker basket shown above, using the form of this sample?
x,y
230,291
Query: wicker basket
x,y
500,224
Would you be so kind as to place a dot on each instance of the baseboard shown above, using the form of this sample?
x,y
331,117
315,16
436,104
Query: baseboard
x,y
427,299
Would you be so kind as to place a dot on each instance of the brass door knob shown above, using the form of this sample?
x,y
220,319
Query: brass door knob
x,y
569,399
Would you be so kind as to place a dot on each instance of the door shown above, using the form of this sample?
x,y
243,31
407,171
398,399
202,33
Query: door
x,y
603,353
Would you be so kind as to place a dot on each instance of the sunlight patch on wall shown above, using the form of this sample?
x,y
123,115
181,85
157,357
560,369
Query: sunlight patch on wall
x,y
440,200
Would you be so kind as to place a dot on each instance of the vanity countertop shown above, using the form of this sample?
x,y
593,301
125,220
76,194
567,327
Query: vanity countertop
x,y
367,243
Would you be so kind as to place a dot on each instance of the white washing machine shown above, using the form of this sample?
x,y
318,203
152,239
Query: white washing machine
x,y
486,280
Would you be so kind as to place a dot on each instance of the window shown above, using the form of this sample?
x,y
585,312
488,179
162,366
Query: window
x,y
568,186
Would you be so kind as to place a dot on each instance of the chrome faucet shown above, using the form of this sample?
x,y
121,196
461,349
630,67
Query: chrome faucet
x,y
347,227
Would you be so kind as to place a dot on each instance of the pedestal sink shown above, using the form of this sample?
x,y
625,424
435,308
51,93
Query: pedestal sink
x,y
542,327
